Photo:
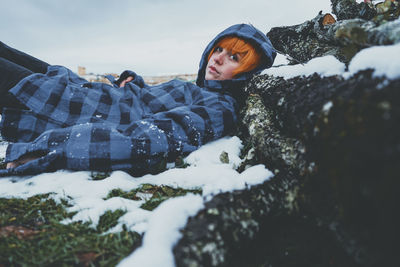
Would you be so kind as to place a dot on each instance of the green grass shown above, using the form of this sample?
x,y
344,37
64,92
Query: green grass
x,y
31,232
2,164
31,235
159,194
99,175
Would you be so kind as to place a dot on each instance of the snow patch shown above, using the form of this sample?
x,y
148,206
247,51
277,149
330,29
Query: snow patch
x,y
385,60
163,232
324,66
160,226
327,107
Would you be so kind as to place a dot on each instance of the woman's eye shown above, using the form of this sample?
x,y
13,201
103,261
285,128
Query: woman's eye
x,y
218,49
235,57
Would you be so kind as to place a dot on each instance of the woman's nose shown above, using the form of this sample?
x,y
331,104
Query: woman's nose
x,y
219,58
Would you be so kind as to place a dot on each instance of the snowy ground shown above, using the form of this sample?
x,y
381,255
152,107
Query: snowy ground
x,y
161,226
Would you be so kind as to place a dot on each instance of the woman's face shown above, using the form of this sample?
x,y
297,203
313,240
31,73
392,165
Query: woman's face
x,y
222,64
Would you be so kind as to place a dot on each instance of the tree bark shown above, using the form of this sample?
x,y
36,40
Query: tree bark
x,y
334,145
342,39
349,9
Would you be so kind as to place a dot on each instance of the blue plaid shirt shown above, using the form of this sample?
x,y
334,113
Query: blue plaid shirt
x,y
79,125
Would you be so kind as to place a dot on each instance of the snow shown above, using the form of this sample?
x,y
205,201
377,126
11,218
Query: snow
x,y
384,60
160,226
327,107
325,66
166,221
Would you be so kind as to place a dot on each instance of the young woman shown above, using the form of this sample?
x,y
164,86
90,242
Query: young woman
x,y
57,120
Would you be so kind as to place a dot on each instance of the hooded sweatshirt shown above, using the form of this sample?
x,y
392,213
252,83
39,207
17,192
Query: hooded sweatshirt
x,y
79,125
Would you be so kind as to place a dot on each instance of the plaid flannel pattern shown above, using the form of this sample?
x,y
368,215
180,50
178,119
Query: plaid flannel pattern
x,y
77,125
94,126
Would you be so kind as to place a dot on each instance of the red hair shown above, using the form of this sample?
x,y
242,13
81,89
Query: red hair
x,y
250,58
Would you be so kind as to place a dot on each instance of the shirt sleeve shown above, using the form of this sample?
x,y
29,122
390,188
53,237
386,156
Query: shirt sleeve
x,y
137,79
136,149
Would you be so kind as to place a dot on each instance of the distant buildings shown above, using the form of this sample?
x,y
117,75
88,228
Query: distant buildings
x,y
150,80
81,71
92,77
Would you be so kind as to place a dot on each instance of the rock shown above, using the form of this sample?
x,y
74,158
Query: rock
x,y
271,144
349,9
229,226
343,39
334,146
224,157
349,154
304,41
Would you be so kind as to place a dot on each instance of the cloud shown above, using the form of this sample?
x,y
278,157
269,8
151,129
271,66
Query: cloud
x,y
149,37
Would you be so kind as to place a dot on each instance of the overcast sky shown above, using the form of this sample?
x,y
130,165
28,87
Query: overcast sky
x,y
151,37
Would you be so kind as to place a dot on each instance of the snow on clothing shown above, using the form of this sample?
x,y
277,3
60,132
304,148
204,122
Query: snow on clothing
x,y
79,125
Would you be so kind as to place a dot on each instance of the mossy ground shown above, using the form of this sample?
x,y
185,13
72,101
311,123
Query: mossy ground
x,y
157,194
31,232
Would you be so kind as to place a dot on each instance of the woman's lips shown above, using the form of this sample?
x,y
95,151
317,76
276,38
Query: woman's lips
x,y
213,69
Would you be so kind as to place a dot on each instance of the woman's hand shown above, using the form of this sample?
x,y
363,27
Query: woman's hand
x,y
20,161
25,159
123,82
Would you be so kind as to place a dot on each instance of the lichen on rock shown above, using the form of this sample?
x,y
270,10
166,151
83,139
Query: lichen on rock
x,y
334,146
342,39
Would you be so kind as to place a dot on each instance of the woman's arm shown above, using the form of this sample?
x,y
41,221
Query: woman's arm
x,y
98,146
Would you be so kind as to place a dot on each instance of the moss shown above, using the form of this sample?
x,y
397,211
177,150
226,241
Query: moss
x,y
120,193
158,194
180,163
31,235
99,175
224,157
265,135
2,164
109,219
162,193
